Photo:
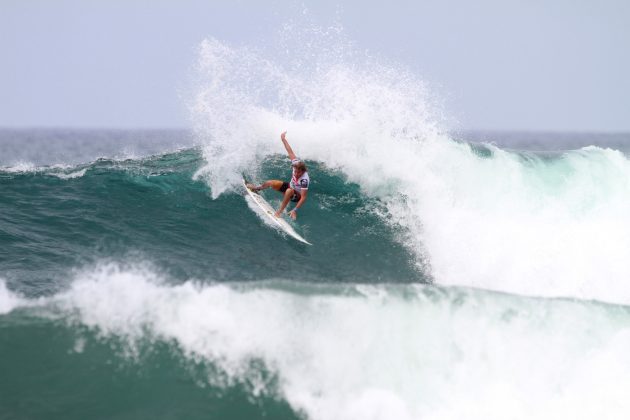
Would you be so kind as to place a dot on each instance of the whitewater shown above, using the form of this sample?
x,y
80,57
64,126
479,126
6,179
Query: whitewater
x,y
481,217
450,277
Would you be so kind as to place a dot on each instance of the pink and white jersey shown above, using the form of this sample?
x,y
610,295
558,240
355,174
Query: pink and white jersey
x,y
301,183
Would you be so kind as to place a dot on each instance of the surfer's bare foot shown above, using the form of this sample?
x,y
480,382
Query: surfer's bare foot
x,y
253,187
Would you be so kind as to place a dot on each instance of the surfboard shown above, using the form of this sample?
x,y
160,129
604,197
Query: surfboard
x,y
269,213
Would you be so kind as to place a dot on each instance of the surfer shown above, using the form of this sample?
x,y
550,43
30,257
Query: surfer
x,y
296,190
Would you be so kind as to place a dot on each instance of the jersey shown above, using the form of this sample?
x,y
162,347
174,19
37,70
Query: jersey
x,y
301,183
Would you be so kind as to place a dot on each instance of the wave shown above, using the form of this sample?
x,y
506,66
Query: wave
x,y
447,279
472,215
349,351
152,209
477,215
395,198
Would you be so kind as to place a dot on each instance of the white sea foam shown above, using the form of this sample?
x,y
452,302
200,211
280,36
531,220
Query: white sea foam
x,y
70,175
59,170
509,222
8,299
377,352
19,167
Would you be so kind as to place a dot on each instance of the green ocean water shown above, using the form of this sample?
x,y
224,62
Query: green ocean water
x,y
129,290
57,220
59,372
453,275
152,209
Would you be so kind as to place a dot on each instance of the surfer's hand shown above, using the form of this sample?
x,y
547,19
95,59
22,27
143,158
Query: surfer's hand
x,y
283,135
293,214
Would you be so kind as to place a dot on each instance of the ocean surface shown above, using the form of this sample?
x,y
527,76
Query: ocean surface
x,y
490,281
453,275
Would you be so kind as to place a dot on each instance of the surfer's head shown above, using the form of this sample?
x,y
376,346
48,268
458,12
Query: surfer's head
x,y
300,166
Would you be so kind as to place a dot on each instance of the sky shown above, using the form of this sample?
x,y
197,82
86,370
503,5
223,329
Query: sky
x,y
560,65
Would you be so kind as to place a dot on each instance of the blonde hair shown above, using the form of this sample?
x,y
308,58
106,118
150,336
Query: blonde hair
x,y
300,166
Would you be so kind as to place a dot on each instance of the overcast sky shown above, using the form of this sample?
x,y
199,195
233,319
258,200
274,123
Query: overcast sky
x,y
511,64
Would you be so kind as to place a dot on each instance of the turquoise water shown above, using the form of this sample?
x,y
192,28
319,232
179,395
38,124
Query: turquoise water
x,y
151,209
59,221
452,275
130,289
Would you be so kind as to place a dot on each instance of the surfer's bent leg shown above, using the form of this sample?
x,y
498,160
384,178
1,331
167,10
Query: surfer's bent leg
x,y
272,183
288,194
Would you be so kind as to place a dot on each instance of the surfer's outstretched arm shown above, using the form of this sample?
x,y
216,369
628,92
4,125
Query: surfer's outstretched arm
x,y
286,146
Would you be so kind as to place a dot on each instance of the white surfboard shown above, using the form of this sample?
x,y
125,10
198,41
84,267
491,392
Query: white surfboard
x,y
269,213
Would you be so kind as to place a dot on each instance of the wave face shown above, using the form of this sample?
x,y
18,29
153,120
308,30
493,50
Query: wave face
x,y
151,209
521,222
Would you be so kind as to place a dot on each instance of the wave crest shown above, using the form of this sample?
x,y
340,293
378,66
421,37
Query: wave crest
x,y
502,220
